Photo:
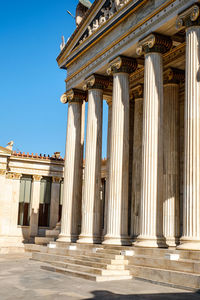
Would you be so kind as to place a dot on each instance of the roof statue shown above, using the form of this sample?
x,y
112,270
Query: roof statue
x,y
81,9
10,145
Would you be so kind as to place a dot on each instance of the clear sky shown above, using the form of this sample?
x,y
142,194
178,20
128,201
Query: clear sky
x,y
30,81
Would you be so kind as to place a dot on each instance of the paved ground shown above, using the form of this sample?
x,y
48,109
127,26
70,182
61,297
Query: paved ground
x,y
23,279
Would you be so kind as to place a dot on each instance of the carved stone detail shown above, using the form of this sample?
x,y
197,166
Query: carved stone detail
x,y
14,176
154,43
73,95
2,172
173,75
122,64
56,179
37,177
97,82
189,17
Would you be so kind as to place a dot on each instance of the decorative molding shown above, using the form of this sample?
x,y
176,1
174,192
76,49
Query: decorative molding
x,y
138,91
2,172
37,177
97,81
173,75
122,64
188,18
56,179
154,43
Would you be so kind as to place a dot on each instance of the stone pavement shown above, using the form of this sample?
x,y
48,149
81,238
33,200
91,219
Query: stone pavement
x,y
21,278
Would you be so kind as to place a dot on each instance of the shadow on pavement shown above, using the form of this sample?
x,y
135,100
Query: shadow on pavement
x,y
105,295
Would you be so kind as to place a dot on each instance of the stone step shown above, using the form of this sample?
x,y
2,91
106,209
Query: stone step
x,y
78,261
35,248
91,270
179,279
87,276
43,240
183,265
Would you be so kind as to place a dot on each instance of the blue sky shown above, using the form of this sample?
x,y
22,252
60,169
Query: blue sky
x,y
30,81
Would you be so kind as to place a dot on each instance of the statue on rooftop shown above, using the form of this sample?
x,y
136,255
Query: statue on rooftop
x,y
81,10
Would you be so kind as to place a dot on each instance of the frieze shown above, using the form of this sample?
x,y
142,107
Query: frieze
x,y
130,36
108,10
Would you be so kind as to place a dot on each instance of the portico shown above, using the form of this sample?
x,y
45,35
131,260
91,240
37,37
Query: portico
x,y
148,52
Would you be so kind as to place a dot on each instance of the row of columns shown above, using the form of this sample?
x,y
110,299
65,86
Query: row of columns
x,y
156,184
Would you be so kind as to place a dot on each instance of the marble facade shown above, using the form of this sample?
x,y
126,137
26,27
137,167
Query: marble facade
x,y
147,51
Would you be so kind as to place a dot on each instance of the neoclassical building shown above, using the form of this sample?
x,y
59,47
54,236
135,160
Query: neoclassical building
x,y
143,58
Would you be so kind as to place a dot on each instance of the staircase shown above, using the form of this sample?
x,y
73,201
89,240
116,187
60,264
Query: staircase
x,y
104,263
85,261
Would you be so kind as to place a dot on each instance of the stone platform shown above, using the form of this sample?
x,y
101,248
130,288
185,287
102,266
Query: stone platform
x,y
105,263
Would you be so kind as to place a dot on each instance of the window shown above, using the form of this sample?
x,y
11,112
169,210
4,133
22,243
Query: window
x,y
45,201
24,201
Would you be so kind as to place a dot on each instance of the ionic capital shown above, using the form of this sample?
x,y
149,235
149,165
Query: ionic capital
x,y
14,176
154,43
2,172
188,18
173,75
37,177
122,64
73,96
96,81
138,91
56,179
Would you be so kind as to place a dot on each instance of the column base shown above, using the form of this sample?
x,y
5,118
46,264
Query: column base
x,y
145,242
89,240
119,241
172,242
67,239
189,244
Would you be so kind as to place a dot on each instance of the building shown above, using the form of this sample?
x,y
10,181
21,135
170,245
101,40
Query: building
x,y
142,57
30,196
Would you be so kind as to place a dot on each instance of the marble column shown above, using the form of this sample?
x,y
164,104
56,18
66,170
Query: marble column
x,y
72,190
191,198
171,132
137,161
117,218
55,199
109,102
91,206
35,203
151,212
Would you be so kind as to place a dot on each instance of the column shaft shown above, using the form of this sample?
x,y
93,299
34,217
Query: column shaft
x,y
137,168
117,219
171,164
152,154
91,227
191,205
72,191
35,203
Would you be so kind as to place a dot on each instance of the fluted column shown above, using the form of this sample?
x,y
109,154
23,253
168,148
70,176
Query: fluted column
x,y
109,102
117,217
151,221
137,161
72,192
191,198
55,198
171,207
91,208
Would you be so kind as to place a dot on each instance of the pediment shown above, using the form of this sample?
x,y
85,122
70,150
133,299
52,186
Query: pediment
x,y
97,17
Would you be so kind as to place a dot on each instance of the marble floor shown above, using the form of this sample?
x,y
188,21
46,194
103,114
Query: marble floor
x,y
21,278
